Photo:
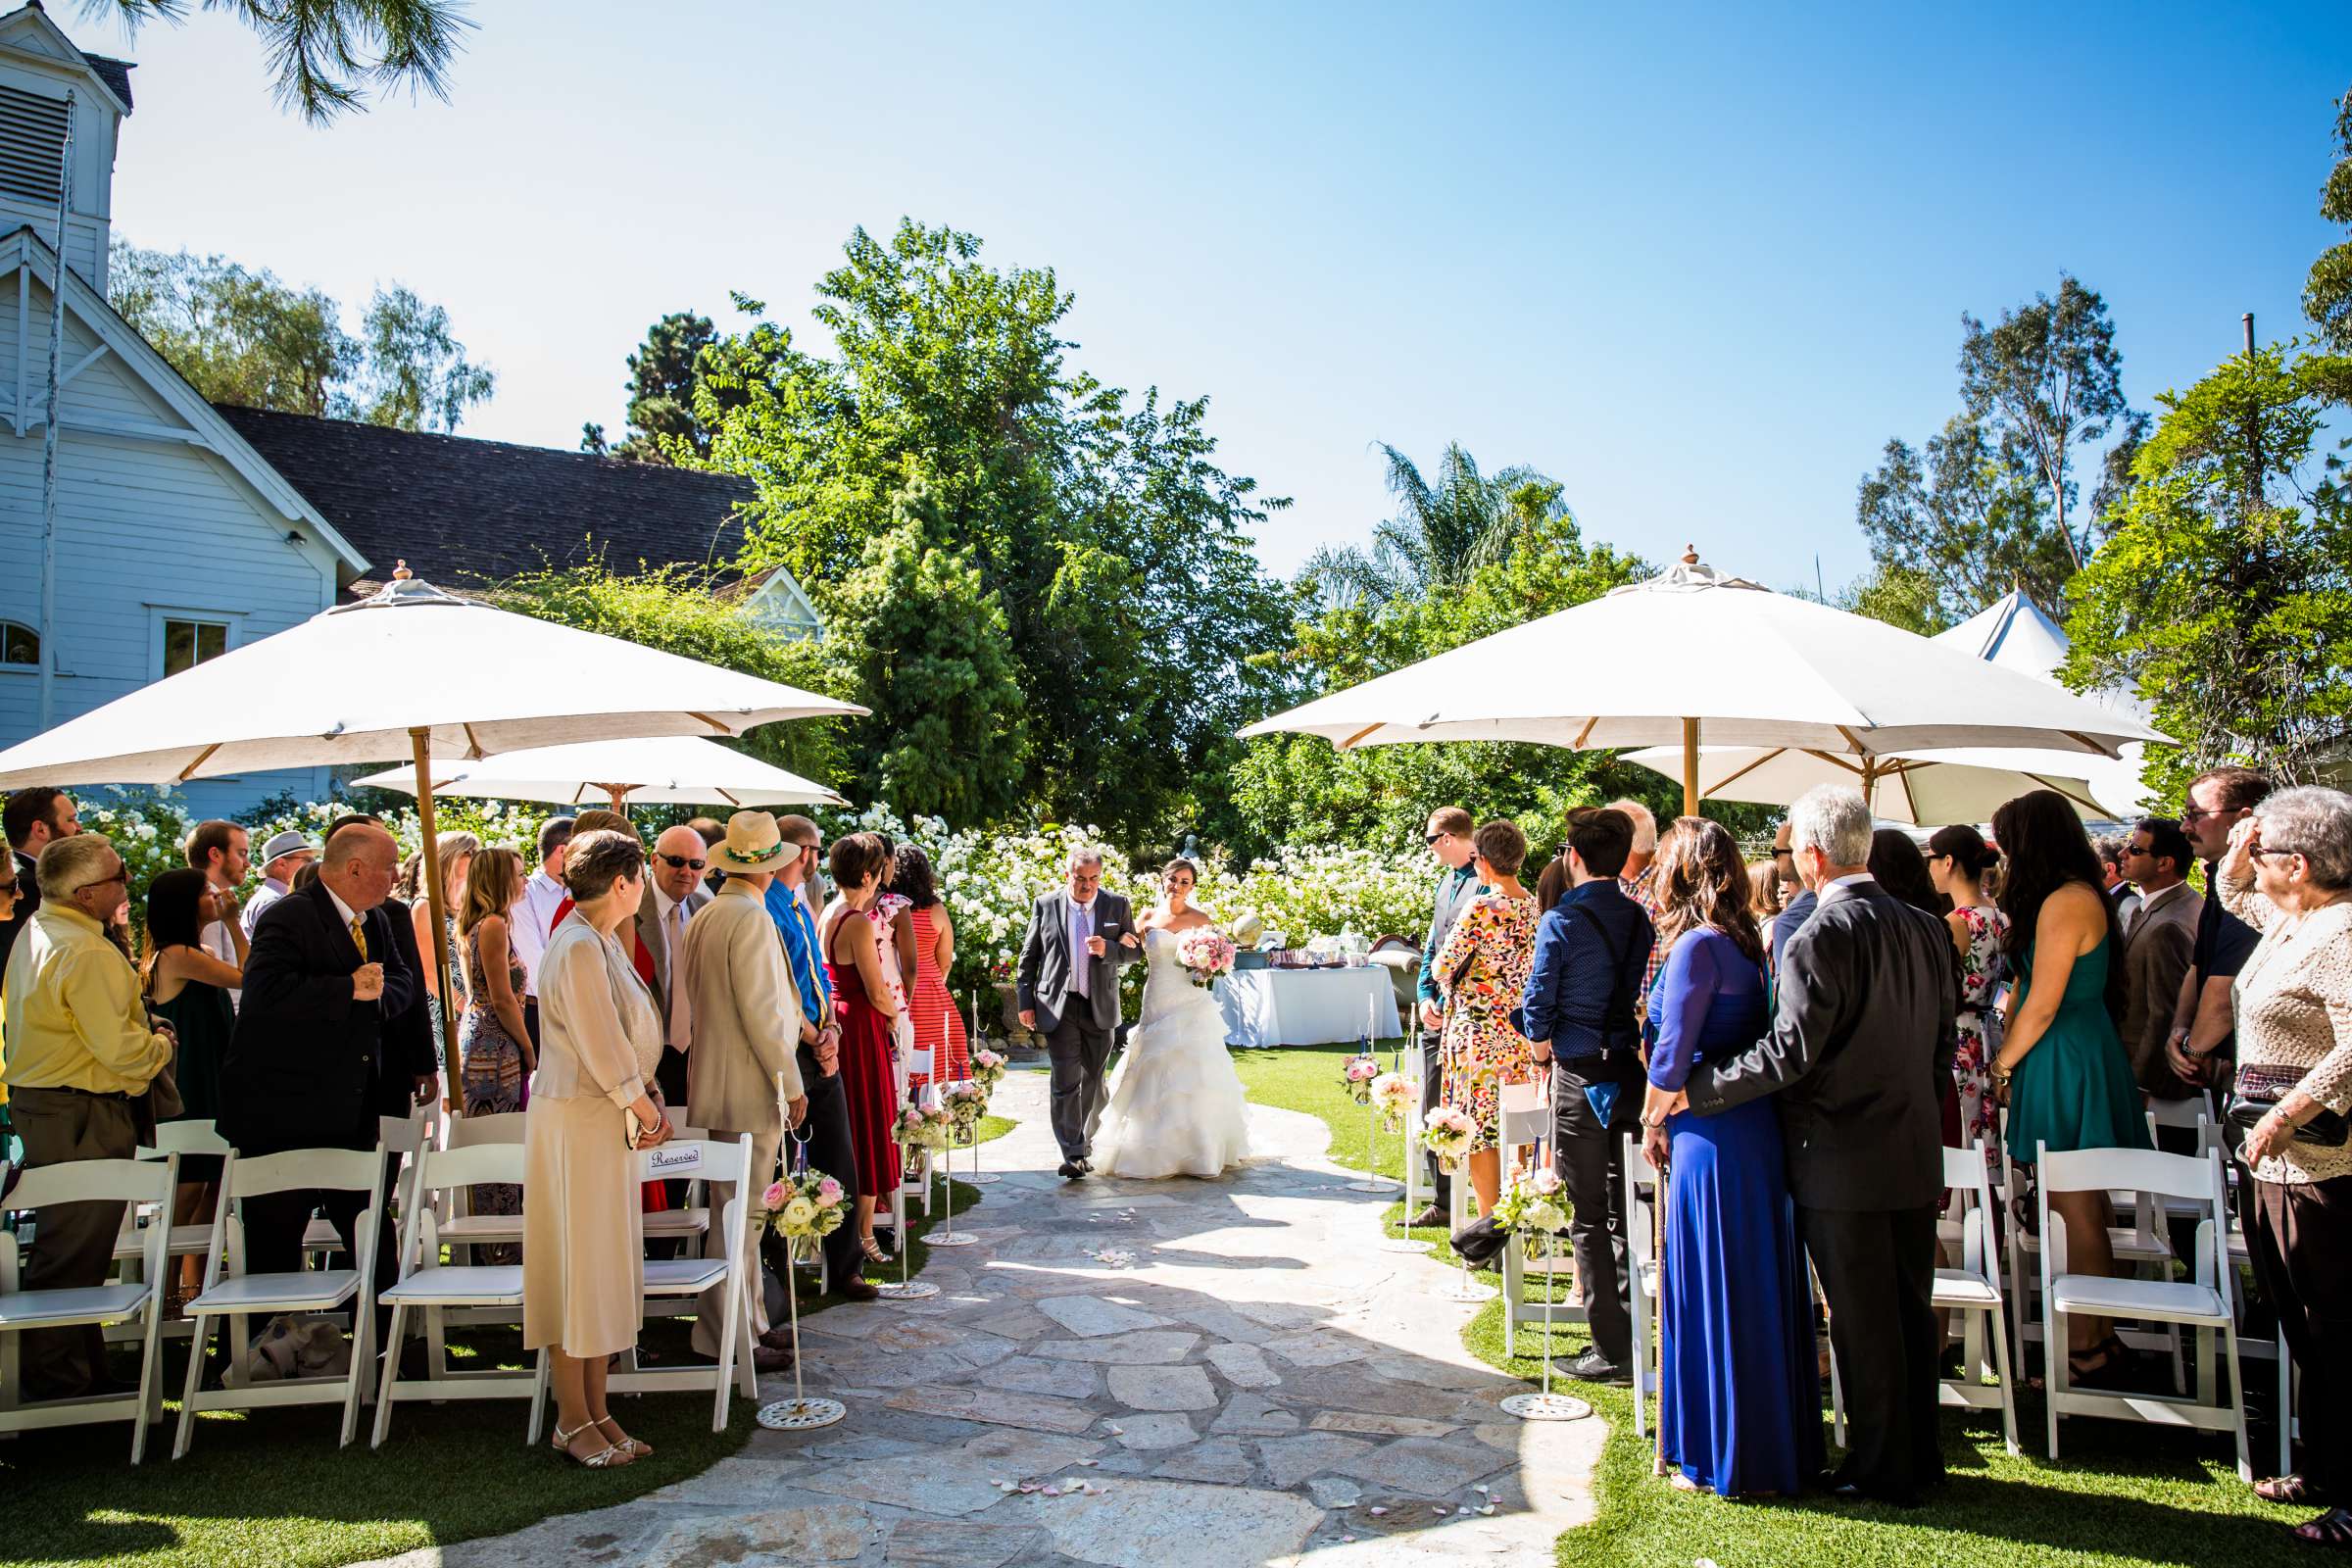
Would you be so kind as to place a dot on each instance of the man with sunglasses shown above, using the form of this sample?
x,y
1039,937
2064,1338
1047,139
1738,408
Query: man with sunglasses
x,y
2202,1042
2159,947
1449,841
674,890
82,1053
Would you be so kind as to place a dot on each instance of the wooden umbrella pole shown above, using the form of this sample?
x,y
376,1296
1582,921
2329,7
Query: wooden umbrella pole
x,y
437,899
1689,767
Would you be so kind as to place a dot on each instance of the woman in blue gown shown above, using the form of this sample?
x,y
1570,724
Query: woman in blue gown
x,y
1741,1407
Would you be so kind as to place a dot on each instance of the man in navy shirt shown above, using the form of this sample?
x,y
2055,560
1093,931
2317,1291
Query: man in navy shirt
x,y
1591,951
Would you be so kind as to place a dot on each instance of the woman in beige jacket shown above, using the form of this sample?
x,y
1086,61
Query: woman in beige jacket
x,y
583,1243
2288,875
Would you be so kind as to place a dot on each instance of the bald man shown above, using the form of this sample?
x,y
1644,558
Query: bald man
x,y
674,890
320,1052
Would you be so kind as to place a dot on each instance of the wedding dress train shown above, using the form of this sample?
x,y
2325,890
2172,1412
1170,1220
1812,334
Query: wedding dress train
x,y
1176,1106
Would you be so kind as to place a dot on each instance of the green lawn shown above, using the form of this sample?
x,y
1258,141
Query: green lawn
x,y
2124,1494
269,1488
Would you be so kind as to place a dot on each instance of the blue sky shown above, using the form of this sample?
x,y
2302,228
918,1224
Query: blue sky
x,y
1695,262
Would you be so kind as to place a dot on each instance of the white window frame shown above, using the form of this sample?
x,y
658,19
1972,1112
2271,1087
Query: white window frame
x,y
232,622
33,626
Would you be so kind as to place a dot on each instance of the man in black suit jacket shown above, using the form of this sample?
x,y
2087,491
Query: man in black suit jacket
x,y
1860,1055
331,1037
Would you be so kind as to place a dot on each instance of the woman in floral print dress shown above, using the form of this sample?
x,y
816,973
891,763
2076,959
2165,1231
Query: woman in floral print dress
x,y
1482,973
1958,858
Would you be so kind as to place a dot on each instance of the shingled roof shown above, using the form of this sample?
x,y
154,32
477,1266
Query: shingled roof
x,y
463,511
115,73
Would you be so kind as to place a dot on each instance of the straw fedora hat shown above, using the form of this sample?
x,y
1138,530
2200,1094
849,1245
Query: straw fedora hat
x,y
752,843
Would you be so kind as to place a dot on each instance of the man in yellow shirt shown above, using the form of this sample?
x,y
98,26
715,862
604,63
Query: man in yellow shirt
x,y
80,1048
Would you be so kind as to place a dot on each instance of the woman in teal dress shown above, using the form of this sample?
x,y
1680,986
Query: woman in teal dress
x,y
2062,1068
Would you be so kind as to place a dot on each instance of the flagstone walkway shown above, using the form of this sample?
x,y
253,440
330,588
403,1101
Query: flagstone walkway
x,y
1208,1375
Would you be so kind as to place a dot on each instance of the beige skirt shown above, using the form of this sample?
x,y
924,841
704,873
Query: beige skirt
x,y
583,1229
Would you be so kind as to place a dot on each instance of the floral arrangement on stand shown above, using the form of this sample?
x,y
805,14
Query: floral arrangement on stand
x,y
1533,1205
1206,953
1447,1132
921,1131
804,1208
1396,1095
1356,1074
964,1105
988,1069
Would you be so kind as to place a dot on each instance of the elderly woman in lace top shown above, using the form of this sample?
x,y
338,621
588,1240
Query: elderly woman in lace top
x,y
2288,875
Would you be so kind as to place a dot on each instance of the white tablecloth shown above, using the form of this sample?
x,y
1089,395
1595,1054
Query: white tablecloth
x,y
1308,1007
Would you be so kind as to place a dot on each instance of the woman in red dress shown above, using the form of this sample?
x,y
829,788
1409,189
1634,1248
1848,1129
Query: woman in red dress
x,y
938,1026
861,1001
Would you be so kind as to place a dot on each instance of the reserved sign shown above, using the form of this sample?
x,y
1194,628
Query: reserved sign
x,y
670,1163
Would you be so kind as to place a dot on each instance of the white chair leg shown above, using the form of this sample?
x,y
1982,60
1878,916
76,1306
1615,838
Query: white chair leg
x,y
2237,1403
2054,1368
746,1376
2000,1351
436,1360
2179,1369
2206,1371
1836,1401
732,1319
2286,1409
539,1388
383,1397
187,1396
149,1353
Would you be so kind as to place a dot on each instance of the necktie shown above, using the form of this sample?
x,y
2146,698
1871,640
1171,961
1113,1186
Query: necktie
x,y
681,1003
359,935
1081,927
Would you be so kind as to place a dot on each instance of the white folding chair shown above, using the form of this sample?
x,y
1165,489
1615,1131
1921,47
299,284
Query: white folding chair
x,y
1642,1257
1524,1122
2140,1247
183,1240
230,1291
2199,1303
685,1278
88,1181
427,1285
401,1135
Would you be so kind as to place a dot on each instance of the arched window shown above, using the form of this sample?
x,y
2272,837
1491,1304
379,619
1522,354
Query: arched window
x,y
19,644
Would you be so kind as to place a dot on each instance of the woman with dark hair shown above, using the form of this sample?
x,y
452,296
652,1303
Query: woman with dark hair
x,y
931,938
894,936
1959,861
866,1005
1482,971
1551,885
584,1233
1896,866
188,988
2062,1068
1742,1409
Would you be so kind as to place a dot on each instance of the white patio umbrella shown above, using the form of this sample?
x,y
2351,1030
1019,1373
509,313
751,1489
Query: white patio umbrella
x,y
659,769
1926,789
409,672
1694,652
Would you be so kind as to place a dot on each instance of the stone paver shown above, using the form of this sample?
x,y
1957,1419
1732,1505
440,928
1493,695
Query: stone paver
x,y
1210,1374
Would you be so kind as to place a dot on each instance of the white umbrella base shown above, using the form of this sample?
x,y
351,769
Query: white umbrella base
x,y
950,1241
1545,1407
801,1415
911,1291
1407,1244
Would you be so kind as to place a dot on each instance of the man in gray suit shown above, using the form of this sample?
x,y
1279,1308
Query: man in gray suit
x,y
2160,943
1449,839
674,890
1068,985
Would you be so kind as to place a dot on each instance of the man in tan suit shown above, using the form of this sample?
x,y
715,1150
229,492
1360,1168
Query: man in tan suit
x,y
745,1018
2159,945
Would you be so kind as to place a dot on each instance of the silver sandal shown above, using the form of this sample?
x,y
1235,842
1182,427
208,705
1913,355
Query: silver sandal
x,y
608,1457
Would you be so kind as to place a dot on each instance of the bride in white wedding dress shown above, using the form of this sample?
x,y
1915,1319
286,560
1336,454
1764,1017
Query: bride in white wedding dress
x,y
1176,1106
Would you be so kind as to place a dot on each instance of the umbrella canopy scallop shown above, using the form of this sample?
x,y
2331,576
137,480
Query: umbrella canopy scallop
x,y
658,770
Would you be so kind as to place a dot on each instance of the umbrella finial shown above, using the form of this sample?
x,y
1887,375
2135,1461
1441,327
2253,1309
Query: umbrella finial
x,y
400,569
1689,555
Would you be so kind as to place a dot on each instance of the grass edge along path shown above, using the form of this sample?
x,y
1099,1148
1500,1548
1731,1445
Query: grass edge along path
x,y
269,1488
2121,1494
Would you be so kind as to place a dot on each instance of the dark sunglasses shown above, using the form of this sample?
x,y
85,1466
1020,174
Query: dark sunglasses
x,y
680,862
1432,840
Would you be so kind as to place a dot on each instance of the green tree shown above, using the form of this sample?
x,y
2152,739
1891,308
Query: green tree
x,y
246,337
2224,593
326,55
1441,531
930,653
1300,789
663,374
1118,548
2328,292
1991,504
674,609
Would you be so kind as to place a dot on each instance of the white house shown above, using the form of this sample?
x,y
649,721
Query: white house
x,y
184,529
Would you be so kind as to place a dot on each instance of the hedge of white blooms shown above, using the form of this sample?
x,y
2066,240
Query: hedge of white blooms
x,y
987,879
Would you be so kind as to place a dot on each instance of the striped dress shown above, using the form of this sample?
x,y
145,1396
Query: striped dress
x,y
938,1026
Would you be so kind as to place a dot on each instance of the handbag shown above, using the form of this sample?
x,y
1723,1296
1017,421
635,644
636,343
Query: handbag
x,y
2260,1088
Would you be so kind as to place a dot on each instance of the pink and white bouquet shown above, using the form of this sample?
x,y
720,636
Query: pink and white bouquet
x,y
1447,1132
1356,1074
964,1103
1533,1204
988,1068
1396,1095
922,1127
1206,951
806,1206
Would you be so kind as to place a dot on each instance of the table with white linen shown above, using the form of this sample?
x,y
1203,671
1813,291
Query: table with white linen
x,y
1308,1007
